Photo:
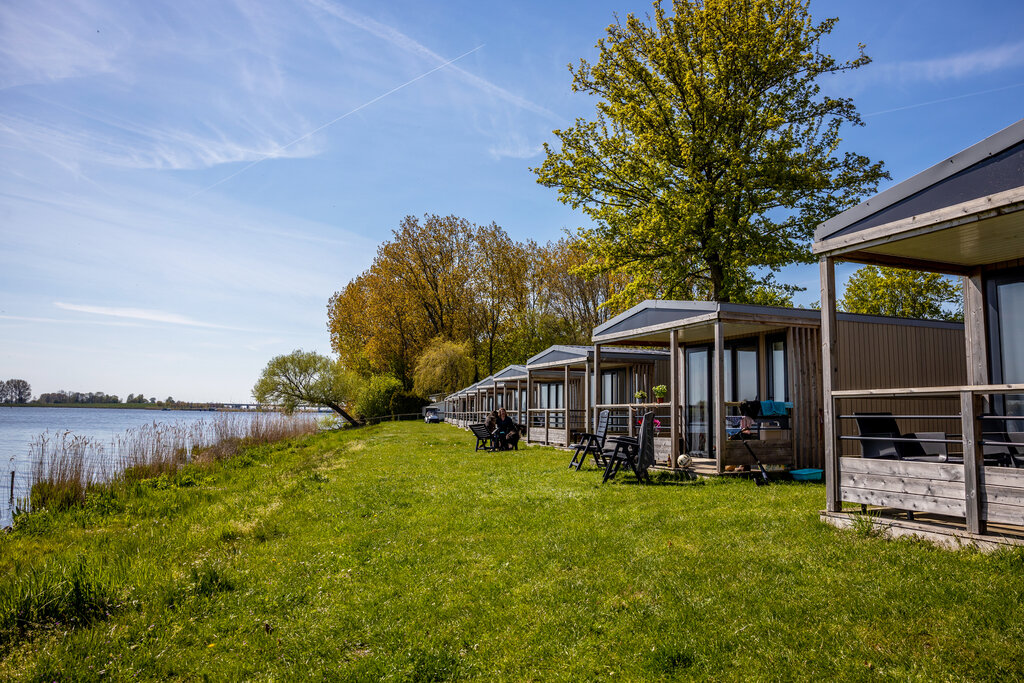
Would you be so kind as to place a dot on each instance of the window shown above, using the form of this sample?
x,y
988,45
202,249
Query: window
x,y
741,371
778,386
610,384
1005,294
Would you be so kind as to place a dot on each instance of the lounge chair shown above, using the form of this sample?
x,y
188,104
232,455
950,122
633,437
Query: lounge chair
x,y
638,454
882,432
592,444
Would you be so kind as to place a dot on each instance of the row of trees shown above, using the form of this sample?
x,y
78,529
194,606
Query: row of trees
x,y
74,397
466,294
15,391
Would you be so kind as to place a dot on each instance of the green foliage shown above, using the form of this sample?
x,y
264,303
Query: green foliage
x,y
713,154
66,594
305,378
379,396
878,290
444,366
444,278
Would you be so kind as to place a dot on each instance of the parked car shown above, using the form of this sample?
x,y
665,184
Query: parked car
x,y
431,417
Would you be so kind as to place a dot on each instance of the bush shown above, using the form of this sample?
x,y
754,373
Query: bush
x,y
384,395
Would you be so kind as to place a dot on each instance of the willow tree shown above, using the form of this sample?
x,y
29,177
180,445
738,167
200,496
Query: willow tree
x,y
713,153
306,378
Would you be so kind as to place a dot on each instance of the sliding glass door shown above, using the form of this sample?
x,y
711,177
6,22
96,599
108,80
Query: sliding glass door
x,y
698,400
1006,341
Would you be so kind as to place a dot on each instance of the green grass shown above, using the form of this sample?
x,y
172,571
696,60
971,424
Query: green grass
x,y
396,553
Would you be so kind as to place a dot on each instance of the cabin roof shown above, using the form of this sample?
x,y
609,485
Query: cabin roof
x,y
512,372
561,355
963,212
650,322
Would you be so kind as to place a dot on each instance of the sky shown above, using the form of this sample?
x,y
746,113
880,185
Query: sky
x,y
183,185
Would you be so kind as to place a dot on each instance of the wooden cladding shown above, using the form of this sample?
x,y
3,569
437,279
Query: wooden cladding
x,y
932,487
803,346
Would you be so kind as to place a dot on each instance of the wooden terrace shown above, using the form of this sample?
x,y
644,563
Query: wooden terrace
x,y
962,217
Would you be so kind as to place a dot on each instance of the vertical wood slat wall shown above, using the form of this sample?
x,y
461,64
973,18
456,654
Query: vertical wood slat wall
x,y
878,356
803,349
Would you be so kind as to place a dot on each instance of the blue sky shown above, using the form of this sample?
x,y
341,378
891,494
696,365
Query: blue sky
x,y
183,185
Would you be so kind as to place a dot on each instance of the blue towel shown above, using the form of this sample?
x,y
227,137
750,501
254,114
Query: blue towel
x,y
770,408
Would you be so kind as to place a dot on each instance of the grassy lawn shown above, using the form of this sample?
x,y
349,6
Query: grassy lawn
x,y
396,553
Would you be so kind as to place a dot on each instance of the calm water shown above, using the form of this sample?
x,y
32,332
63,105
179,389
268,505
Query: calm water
x,y
19,427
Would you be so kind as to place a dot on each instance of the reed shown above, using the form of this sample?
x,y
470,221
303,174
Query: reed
x,y
65,466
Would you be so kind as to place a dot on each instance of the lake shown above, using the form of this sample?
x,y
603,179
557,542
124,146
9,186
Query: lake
x,y
19,427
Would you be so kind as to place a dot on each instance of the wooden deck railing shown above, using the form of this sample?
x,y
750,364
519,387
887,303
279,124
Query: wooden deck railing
x,y
971,490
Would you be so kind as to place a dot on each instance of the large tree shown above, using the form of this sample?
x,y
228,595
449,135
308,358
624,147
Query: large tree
x,y
713,153
879,290
16,391
305,378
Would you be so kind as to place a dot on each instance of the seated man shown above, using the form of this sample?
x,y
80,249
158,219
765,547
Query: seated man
x,y
507,431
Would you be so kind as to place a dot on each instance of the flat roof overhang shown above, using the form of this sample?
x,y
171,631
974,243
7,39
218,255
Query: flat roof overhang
x,y
739,321
696,322
961,214
576,358
954,240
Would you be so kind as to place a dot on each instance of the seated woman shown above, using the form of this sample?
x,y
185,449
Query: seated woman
x,y
507,431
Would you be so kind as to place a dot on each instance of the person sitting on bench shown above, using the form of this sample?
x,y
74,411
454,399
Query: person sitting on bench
x,y
507,431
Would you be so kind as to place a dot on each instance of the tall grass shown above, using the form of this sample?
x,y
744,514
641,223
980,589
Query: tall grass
x,y
64,466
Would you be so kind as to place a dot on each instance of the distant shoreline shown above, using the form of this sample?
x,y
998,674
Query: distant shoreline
x,y
125,406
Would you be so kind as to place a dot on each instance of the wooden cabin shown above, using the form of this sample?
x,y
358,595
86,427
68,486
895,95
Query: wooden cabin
x,y
561,389
504,389
962,217
722,354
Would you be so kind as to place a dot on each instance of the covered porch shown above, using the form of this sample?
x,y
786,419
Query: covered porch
x,y
562,389
721,355
960,480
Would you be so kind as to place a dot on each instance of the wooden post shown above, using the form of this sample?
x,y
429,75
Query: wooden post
x,y
762,368
971,405
565,404
598,399
519,402
529,398
829,383
717,413
973,460
682,396
974,330
586,396
673,398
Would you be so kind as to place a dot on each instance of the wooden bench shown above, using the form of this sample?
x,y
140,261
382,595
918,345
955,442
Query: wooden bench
x,y
484,439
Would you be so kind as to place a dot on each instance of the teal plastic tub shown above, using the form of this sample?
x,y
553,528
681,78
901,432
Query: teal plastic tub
x,y
808,474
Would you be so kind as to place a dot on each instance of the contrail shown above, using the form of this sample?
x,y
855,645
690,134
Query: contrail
x,y
376,99
944,99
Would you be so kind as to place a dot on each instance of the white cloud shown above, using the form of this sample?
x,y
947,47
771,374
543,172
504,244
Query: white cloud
x,y
138,314
514,148
46,42
953,67
64,321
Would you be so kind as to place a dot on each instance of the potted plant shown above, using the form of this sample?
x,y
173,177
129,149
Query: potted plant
x,y
660,392
640,396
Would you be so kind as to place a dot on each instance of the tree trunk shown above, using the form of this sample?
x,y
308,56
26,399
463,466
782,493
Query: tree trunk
x,y
341,411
